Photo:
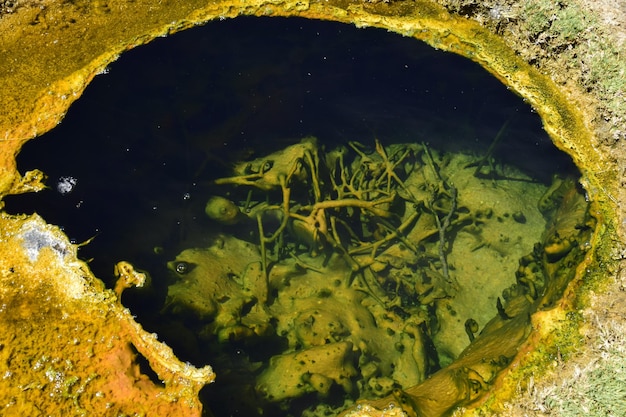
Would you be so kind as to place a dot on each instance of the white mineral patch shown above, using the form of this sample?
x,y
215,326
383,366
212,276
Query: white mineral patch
x,y
36,238
37,235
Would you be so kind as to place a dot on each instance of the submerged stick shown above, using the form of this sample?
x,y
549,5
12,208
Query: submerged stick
x,y
262,244
431,163
491,148
442,226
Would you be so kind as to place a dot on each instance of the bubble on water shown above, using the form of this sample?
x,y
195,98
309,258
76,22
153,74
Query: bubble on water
x,y
186,196
65,185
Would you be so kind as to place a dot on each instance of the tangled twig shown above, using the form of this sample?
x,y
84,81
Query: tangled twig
x,y
350,210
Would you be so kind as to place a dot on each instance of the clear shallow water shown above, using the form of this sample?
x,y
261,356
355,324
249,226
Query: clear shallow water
x,y
146,139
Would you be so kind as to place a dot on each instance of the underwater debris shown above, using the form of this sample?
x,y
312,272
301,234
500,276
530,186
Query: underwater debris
x,y
359,246
357,208
308,310
487,158
473,372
